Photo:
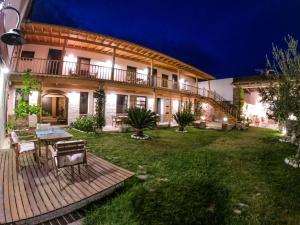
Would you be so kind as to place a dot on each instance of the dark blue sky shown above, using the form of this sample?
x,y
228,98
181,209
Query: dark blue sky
x,y
225,38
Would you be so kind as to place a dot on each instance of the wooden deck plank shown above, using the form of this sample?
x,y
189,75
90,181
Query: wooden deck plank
x,y
18,198
54,197
24,196
122,170
2,162
103,175
108,170
28,191
66,195
36,196
37,199
39,187
8,216
12,194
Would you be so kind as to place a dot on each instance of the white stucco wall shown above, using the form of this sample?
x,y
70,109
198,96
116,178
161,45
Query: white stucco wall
x,y
73,107
223,87
33,100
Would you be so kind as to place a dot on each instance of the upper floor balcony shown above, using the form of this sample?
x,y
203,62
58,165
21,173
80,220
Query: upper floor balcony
x,y
59,68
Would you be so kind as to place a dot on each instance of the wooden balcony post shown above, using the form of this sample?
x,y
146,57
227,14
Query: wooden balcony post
x,y
170,113
113,64
209,90
197,86
61,64
178,85
151,74
155,101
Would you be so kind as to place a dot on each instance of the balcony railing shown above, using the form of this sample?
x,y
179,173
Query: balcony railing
x,y
89,71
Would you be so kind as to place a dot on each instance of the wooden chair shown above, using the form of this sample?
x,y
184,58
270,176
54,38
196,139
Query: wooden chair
x,y
68,154
24,146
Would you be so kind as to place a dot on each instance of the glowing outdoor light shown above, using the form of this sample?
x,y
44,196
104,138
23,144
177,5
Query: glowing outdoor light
x,y
225,119
284,131
5,70
13,36
203,118
292,117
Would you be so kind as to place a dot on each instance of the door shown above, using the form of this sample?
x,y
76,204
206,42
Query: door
x,y
131,74
175,81
54,61
154,78
165,81
83,66
158,106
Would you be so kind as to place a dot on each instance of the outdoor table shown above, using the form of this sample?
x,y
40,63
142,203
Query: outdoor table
x,y
50,137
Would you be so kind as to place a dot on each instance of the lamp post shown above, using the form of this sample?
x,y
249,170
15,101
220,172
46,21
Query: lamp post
x,y
13,38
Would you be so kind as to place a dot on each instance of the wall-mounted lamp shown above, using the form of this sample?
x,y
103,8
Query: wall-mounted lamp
x,y
13,36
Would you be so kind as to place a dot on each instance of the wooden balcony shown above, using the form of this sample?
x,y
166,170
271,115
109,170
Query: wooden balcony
x,y
33,195
58,68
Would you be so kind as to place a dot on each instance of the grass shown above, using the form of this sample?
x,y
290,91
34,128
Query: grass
x,y
199,177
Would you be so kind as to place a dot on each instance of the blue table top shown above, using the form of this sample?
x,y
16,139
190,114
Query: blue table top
x,y
46,132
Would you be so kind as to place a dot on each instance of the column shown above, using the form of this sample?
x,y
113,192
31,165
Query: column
x,y
197,86
61,66
113,64
209,88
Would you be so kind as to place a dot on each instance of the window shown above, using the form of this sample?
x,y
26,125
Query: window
x,y
18,96
27,55
165,80
122,102
83,109
141,102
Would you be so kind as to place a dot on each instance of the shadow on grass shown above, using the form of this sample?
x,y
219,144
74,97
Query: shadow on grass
x,y
190,201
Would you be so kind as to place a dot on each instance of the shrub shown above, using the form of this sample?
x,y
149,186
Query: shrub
x,y
85,123
183,118
188,202
140,119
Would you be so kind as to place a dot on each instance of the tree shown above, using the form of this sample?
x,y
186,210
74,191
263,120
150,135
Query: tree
x,y
140,118
100,108
283,92
29,85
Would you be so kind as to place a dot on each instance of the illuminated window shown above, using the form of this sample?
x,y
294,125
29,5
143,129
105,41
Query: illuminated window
x,y
83,110
122,102
141,102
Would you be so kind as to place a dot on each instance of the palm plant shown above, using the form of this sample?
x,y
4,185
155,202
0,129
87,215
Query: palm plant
x,y
183,118
140,119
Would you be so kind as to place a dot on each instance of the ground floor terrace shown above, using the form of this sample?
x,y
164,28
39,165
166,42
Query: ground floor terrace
x,y
33,195
64,100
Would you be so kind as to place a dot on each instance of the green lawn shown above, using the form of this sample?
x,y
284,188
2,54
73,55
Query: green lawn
x,y
199,177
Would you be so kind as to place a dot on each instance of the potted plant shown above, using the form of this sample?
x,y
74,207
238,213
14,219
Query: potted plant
x,y
140,119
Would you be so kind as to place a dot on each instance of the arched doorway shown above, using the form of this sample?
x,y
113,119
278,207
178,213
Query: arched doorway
x,y
55,107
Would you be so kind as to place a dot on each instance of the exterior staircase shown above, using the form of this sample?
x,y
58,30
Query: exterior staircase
x,y
219,103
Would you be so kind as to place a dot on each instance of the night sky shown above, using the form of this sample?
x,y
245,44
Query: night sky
x,y
225,38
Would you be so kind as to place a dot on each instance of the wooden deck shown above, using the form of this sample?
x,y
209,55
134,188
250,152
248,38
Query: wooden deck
x,y
33,196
